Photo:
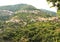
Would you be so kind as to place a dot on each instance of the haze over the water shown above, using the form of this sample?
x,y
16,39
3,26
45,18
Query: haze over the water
x,y
40,4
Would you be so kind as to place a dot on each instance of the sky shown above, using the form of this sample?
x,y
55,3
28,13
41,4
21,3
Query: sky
x,y
40,4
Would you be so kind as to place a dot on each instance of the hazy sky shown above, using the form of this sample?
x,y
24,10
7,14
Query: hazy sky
x,y
37,3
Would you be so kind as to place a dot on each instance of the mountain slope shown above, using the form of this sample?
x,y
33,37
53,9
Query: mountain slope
x,y
17,7
27,10
5,14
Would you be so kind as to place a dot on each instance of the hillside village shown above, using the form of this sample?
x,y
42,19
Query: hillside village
x,y
28,11
6,12
38,18
15,19
28,24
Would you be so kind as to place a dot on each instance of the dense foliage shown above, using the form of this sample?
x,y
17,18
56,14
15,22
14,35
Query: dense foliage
x,y
54,3
17,7
32,32
24,26
29,31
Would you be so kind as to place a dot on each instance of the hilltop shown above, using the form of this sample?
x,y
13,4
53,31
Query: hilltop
x,y
17,7
7,12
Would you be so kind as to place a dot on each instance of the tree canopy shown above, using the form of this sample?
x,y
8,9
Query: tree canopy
x,y
55,3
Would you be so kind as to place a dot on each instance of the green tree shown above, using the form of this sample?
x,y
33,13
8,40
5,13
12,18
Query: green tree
x,y
55,3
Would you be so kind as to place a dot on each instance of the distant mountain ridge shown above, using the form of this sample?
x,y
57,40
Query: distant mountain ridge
x,y
7,12
17,7
49,12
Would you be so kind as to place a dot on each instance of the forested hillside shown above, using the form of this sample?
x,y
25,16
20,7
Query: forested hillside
x,y
25,23
17,7
7,12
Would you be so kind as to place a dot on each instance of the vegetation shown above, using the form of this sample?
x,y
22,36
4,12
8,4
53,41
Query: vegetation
x,y
58,12
24,27
54,3
17,7
31,32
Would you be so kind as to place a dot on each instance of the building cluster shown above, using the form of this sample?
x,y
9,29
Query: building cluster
x,y
28,11
7,12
